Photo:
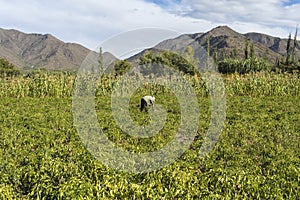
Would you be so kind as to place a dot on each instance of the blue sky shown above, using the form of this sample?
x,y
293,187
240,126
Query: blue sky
x,y
164,3
291,2
90,22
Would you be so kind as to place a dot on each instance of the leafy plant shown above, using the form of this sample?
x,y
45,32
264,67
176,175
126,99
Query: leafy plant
x,y
7,69
256,156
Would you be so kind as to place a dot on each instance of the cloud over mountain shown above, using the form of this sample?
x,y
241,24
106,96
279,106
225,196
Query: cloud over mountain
x,y
90,22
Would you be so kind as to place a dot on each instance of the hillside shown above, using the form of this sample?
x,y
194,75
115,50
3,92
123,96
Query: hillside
x,y
227,42
29,51
274,43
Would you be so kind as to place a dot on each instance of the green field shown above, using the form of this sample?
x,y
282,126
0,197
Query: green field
x,y
256,157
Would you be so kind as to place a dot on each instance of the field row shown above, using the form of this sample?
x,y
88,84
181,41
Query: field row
x,y
62,84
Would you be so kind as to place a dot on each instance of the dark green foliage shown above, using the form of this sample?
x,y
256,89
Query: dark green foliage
x,y
295,46
121,67
288,50
252,54
208,46
7,69
168,59
246,49
291,64
252,64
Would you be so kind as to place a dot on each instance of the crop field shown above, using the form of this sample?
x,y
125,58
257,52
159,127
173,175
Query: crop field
x,y
256,157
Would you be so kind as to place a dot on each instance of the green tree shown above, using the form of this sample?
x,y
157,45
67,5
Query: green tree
x,y
252,54
234,52
167,58
246,49
295,46
189,55
216,57
122,66
7,69
288,52
208,46
101,65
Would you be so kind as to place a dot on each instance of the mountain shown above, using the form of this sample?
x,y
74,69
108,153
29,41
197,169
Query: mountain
x,y
274,43
225,40
29,51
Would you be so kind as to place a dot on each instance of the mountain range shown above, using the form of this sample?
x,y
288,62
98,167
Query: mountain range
x,y
31,51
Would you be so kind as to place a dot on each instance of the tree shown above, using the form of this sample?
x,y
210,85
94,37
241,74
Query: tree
x,y
246,49
252,55
189,55
122,66
216,57
288,46
295,46
266,55
167,58
234,53
101,67
208,46
7,69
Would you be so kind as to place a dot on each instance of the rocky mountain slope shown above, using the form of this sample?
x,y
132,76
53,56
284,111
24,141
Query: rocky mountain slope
x,y
30,51
226,42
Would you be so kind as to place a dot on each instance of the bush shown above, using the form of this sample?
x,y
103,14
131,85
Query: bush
x,y
7,69
233,65
169,59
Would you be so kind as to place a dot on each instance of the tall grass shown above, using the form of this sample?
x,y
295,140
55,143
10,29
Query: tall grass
x,y
263,84
60,85
37,85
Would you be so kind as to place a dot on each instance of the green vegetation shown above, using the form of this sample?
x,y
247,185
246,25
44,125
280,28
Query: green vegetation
x,y
122,66
167,58
291,63
256,157
252,64
60,85
7,69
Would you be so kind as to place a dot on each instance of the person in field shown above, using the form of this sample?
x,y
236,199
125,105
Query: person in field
x,y
147,101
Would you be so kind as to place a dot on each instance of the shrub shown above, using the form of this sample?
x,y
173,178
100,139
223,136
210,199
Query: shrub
x,y
7,69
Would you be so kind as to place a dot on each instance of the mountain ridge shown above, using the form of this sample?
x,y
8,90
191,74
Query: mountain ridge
x,y
31,51
223,39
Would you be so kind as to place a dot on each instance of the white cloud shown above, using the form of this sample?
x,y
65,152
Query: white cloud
x,y
271,15
90,22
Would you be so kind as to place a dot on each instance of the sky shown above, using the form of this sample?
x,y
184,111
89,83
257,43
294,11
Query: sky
x,y
91,22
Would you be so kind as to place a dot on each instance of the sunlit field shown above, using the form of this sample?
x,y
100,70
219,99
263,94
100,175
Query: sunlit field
x,y
256,157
